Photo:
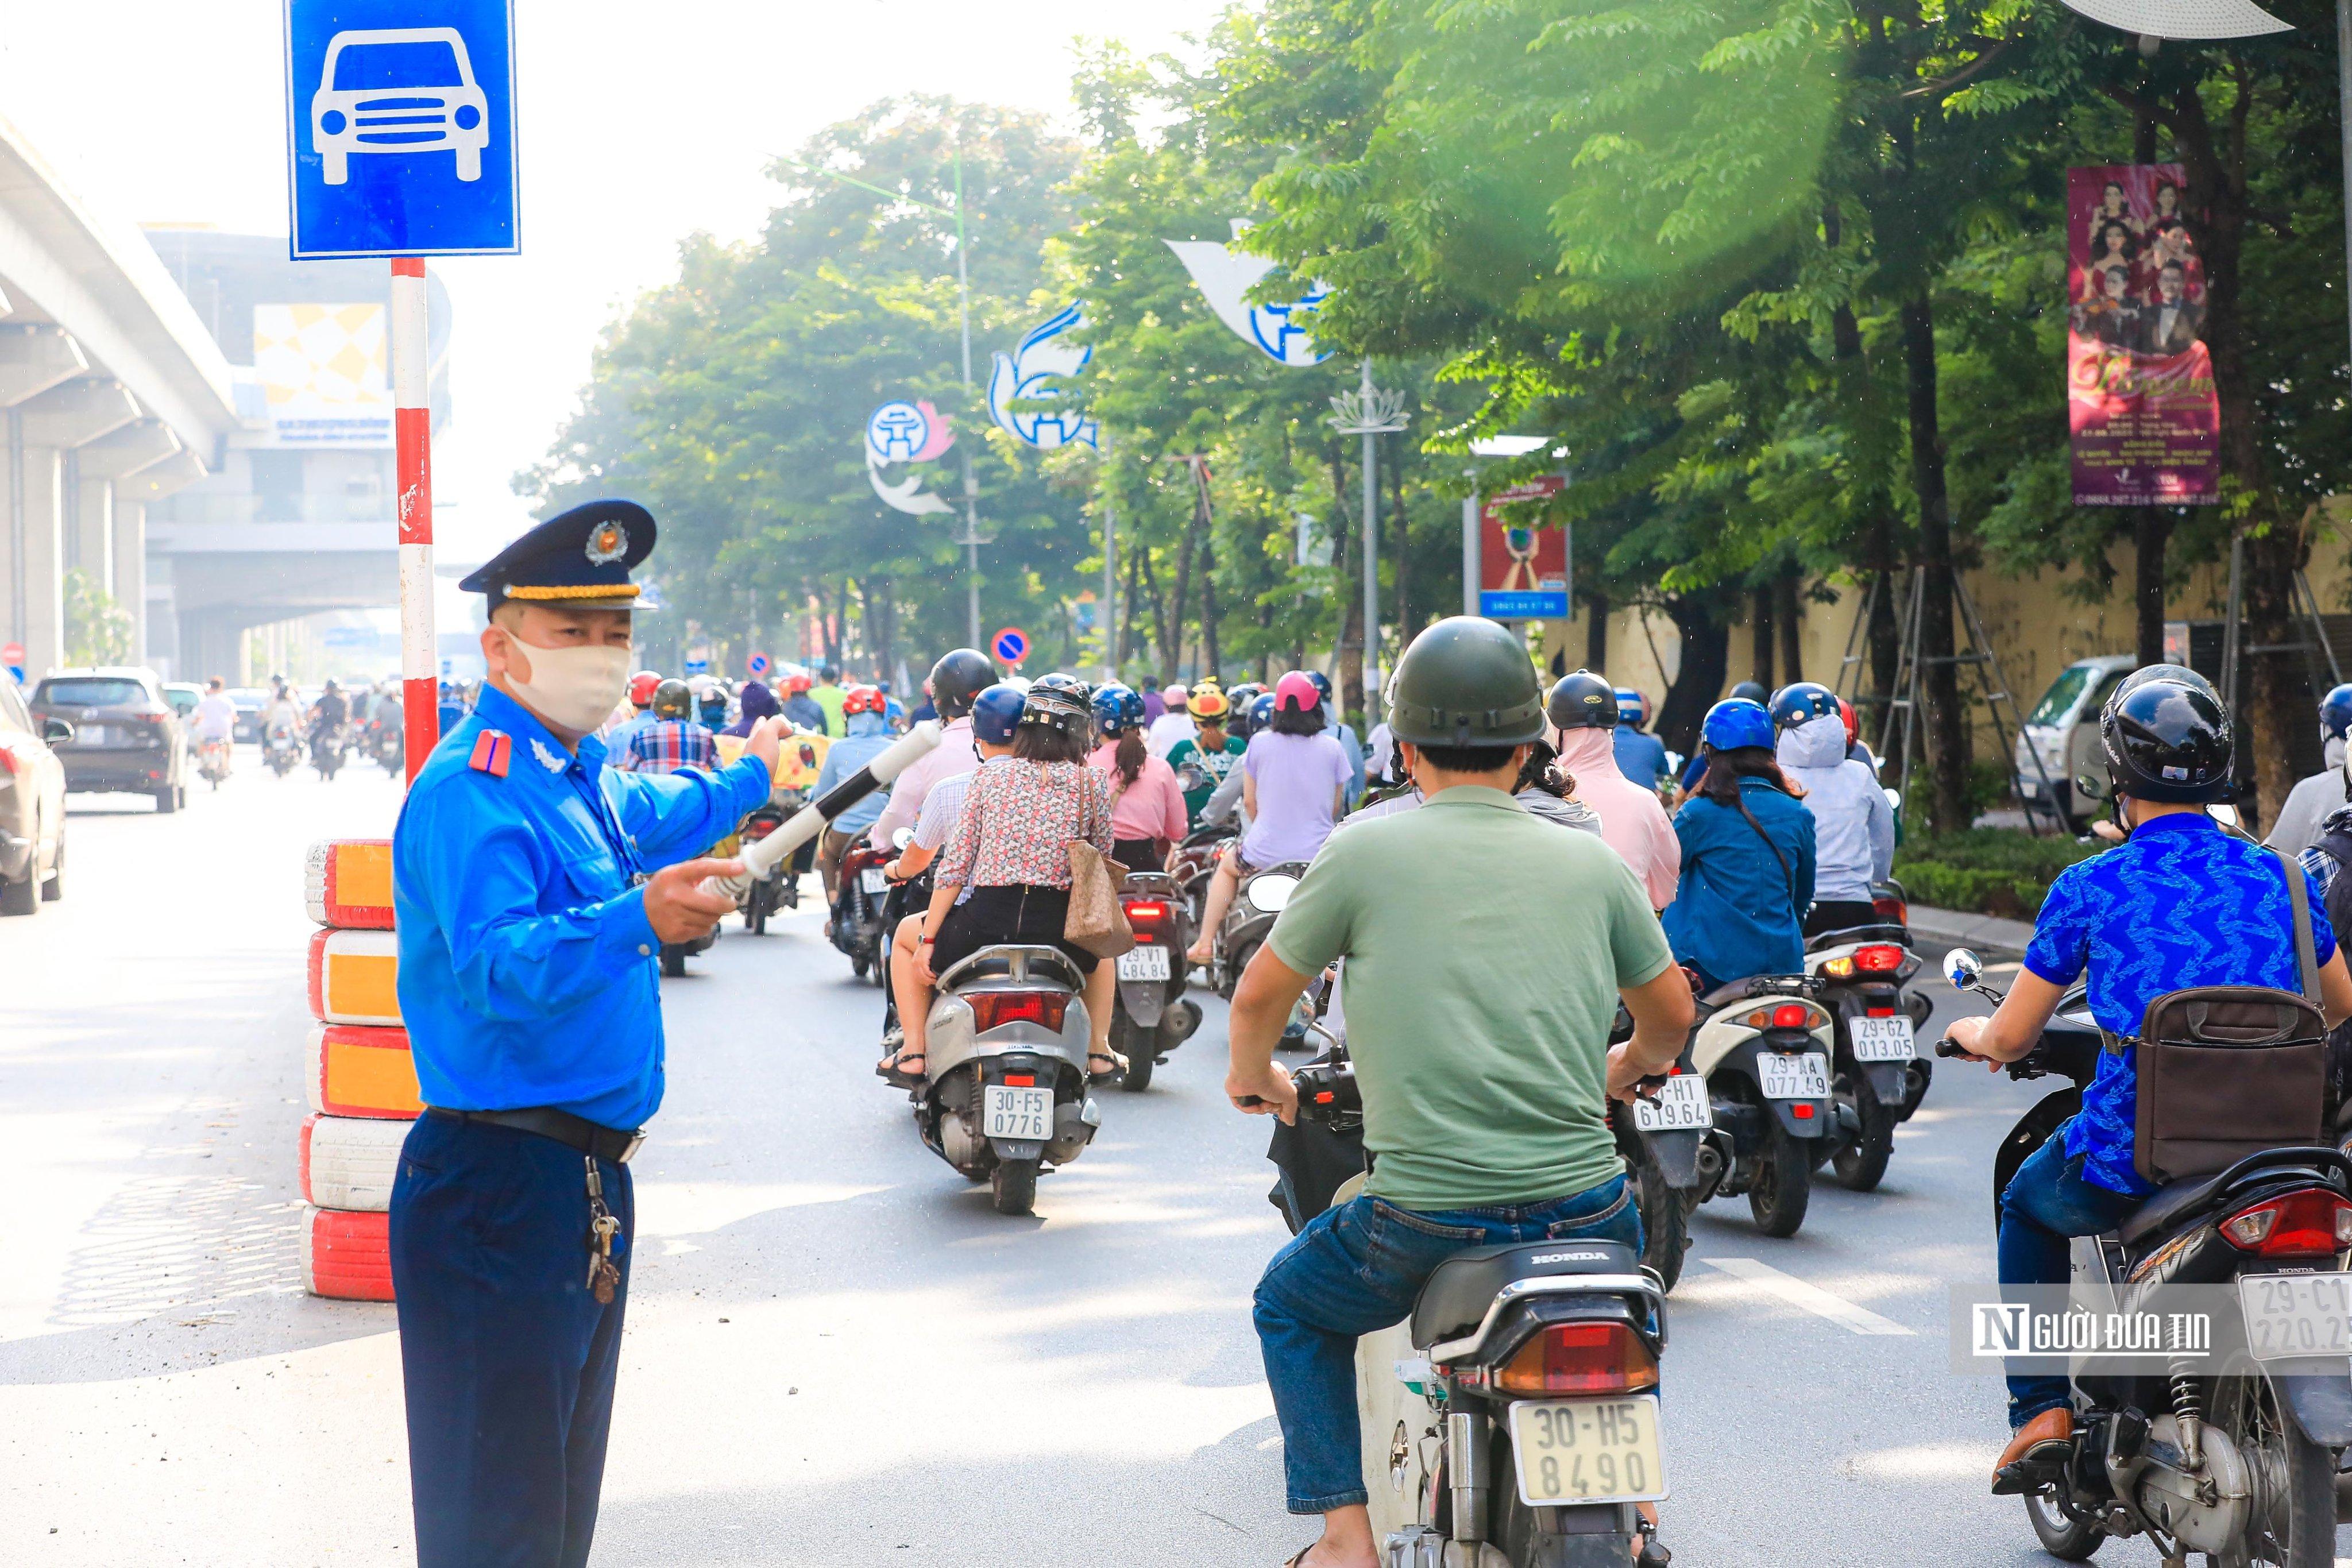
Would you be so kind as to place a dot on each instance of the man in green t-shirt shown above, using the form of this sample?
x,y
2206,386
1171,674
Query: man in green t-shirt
x,y
1485,951
1214,754
829,695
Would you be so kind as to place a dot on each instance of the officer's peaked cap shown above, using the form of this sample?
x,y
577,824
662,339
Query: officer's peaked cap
x,y
579,560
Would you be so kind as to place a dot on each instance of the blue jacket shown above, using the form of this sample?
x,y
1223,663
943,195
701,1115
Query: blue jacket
x,y
867,739
1734,914
528,974
1641,756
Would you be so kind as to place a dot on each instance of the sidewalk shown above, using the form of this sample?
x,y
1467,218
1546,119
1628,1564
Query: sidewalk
x,y
1988,935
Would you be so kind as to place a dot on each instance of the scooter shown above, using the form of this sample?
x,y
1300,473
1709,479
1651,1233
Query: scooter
x,y
1256,902
278,749
213,762
327,750
2232,1453
858,927
1514,1417
1763,1046
1007,1096
1194,863
1877,1078
1150,1015
386,744
781,889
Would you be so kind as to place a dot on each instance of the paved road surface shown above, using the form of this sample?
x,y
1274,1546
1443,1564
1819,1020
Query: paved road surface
x,y
837,1356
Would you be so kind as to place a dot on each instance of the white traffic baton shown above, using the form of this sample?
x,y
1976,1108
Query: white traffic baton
x,y
761,857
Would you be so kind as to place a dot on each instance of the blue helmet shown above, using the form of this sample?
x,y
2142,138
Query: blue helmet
x,y
1800,701
1737,722
2335,714
1322,684
1118,708
1629,706
1260,711
996,713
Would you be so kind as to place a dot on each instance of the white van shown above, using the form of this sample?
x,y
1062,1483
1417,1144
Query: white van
x,y
2061,733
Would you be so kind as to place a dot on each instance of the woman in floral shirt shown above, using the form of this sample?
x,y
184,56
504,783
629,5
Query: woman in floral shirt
x,y
1010,846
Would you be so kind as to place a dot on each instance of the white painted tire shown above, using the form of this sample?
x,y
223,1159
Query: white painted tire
x,y
347,882
346,1256
354,977
349,1163
355,1070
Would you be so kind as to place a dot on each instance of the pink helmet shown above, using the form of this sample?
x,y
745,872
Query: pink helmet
x,y
1294,693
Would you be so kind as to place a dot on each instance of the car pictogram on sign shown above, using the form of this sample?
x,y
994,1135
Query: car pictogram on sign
x,y
398,89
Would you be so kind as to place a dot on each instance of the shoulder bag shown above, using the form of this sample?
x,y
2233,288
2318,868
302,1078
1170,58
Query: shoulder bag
x,y
1097,922
2226,1071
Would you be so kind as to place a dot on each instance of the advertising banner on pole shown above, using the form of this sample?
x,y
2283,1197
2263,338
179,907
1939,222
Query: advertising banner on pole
x,y
1522,569
2144,420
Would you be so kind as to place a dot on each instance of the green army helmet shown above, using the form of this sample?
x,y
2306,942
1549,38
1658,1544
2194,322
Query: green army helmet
x,y
1467,681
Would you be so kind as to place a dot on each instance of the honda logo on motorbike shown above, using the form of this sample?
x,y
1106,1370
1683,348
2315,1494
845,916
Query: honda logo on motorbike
x,y
1568,1258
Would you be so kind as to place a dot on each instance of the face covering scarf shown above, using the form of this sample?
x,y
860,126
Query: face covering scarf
x,y
577,688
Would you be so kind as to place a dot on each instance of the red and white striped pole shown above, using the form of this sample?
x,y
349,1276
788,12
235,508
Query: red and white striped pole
x,y
413,433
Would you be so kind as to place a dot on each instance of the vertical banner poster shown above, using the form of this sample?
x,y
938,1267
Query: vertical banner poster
x,y
1522,569
2143,417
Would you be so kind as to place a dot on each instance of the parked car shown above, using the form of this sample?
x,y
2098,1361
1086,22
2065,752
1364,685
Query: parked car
x,y
32,805
249,702
2061,736
127,738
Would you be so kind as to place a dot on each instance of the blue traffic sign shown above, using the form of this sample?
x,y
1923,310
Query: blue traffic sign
x,y
1011,645
400,128
758,665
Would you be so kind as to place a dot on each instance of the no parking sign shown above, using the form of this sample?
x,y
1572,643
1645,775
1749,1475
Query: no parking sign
x,y
1011,645
759,664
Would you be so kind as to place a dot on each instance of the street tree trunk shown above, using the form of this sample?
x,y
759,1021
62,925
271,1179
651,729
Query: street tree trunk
x,y
1759,642
1947,722
1788,616
1352,613
2151,532
1180,600
1408,624
1596,631
1698,677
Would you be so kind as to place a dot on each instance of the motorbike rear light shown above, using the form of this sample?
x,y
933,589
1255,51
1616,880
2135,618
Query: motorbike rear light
x,y
758,829
1878,1012
1580,1358
1802,1111
1879,959
8,762
1892,911
1790,1015
1146,911
2312,1222
994,1009
1021,1081
1840,968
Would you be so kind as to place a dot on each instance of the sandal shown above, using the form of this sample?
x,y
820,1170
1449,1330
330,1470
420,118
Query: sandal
x,y
897,1073
1117,1064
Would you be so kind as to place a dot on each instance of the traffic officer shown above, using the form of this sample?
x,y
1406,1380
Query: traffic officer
x,y
533,888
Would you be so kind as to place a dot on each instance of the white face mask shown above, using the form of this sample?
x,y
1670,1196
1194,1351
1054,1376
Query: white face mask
x,y
576,688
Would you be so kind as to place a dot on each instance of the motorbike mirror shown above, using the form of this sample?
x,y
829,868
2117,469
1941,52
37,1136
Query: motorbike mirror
x,y
1962,968
2224,812
2092,788
902,838
1894,799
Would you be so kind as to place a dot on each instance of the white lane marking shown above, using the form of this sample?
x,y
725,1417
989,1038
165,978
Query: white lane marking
x,y
1811,1298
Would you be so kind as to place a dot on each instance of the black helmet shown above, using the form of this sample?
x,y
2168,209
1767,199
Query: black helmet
x,y
2168,739
1062,702
1467,681
961,674
1753,691
1583,700
673,699
1802,702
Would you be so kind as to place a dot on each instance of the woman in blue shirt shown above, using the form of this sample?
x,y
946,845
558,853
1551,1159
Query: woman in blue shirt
x,y
1748,856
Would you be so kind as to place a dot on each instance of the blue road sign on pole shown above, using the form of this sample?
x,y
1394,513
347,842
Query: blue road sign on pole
x,y
758,665
400,128
1011,645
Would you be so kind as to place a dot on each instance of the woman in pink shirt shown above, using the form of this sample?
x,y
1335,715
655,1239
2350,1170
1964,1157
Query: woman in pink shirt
x,y
1147,817
1584,706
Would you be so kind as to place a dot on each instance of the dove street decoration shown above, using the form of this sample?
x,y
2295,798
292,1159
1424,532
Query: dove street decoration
x,y
1029,375
1226,275
904,432
2183,18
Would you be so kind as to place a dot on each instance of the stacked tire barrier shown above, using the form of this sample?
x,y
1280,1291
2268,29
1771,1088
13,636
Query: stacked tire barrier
x,y
362,1083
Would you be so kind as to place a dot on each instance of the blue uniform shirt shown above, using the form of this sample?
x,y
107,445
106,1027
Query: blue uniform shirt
x,y
2179,903
528,974
1641,756
1733,915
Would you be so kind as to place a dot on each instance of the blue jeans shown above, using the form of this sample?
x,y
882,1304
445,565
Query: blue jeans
x,y
1356,1267
2045,1203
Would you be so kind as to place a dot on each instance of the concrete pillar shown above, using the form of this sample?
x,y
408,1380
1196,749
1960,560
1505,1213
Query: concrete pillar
x,y
127,548
40,482
92,527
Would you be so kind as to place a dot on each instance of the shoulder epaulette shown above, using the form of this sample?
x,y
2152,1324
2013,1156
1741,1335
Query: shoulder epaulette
x,y
493,750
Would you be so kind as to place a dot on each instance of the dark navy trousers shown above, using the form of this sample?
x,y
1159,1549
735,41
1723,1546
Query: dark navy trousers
x,y
506,1358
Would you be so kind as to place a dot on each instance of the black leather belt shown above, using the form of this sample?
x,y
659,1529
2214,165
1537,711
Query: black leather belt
x,y
576,1132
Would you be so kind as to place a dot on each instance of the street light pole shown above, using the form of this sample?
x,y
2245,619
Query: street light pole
x,y
2344,103
1109,616
971,485
1371,413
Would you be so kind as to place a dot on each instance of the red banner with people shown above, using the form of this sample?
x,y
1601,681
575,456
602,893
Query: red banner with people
x,y
2144,420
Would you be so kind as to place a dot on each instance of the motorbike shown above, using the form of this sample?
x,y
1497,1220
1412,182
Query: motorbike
x,y
1150,1015
213,761
767,895
1195,862
278,749
1876,1076
326,750
388,746
1514,1416
1256,902
858,927
1762,1048
1007,1096
2235,1455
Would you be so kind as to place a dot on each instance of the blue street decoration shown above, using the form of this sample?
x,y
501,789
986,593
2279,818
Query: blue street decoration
x,y
400,125
906,431
1030,373
1226,275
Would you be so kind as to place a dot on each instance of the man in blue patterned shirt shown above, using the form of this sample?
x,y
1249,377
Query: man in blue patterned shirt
x,y
2179,903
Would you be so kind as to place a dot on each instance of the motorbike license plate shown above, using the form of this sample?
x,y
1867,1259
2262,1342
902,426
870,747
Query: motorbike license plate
x,y
1588,1450
873,881
1801,1077
1680,1107
1020,1114
2297,1315
1882,1040
1145,961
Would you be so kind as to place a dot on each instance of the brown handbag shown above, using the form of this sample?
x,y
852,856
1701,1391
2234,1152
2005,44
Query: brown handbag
x,y
2226,1071
1097,921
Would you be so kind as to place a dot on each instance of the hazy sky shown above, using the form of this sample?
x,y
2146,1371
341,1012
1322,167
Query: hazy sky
x,y
640,123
